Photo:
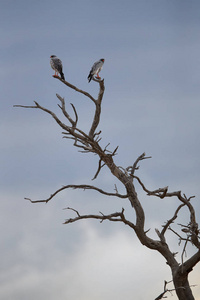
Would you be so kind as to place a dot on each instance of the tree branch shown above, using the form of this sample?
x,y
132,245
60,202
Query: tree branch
x,y
135,167
161,192
75,88
97,115
82,137
170,221
114,217
62,100
37,105
81,186
189,264
166,290
99,169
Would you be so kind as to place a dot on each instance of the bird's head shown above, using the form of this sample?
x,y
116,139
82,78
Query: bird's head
x,y
52,56
102,59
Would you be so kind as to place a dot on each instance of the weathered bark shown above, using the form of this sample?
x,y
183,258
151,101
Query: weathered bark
x,y
182,288
89,143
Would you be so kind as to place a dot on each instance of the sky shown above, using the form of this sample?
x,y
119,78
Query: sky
x,y
151,104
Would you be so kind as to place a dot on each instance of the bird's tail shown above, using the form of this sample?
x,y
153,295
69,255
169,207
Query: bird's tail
x,y
90,77
62,75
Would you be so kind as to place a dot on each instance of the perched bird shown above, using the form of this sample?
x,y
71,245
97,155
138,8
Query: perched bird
x,y
56,65
96,68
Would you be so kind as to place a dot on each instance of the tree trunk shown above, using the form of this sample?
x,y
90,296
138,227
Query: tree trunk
x,y
182,287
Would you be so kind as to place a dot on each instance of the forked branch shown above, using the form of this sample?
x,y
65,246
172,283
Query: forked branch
x,y
62,100
135,166
97,102
114,217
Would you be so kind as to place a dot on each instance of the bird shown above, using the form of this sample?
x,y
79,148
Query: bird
x,y
56,65
96,68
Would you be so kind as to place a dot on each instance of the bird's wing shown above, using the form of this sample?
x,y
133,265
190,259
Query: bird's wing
x,y
57,64
96,67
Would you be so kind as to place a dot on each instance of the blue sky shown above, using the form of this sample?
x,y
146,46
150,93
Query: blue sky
x,y
151,104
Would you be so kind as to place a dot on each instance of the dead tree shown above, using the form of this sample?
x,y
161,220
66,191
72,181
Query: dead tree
x,y
90,143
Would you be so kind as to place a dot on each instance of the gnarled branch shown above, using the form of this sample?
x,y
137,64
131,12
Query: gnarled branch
x,y
114,217
80,186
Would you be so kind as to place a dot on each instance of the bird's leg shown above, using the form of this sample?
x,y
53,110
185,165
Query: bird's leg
x,y
98,76
56,74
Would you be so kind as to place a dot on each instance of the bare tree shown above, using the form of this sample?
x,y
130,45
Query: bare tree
x,y
90,143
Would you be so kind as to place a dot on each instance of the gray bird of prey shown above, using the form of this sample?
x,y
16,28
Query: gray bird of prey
x,y
56,65
96,68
